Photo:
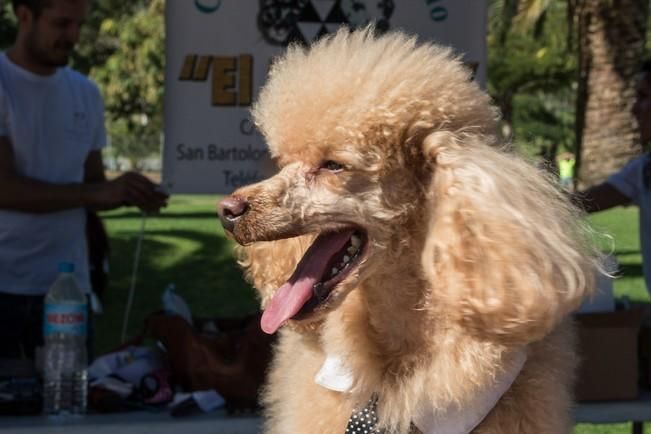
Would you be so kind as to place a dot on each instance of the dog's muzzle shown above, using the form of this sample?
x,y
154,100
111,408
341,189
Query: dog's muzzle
x,y
231,209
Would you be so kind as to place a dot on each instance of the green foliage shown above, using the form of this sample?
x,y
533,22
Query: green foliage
x,y
532,74
542,118
7,25
94,47
131,78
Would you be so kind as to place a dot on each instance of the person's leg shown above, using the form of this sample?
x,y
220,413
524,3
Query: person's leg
x,y
33,332
21,326
17,325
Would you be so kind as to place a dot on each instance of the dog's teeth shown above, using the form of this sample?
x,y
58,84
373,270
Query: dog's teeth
x,y
352,250
346,258
355,241
334,271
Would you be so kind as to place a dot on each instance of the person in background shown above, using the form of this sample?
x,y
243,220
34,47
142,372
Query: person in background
x,y
631,184
51,170
566,164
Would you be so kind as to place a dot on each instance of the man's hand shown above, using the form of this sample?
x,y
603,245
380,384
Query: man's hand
x,y
95,192
130,189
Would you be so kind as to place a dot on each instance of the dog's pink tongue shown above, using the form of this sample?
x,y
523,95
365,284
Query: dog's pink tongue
x,y
293,294
286,303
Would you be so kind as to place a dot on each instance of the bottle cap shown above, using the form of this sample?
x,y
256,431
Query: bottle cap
x,y
66,267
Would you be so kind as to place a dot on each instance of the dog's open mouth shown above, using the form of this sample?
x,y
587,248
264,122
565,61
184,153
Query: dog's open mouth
x,y
327,262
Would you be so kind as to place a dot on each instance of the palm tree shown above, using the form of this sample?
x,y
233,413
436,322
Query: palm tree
x,y
610,37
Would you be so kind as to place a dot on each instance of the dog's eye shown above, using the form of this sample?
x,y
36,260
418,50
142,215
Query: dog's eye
x,y
332,166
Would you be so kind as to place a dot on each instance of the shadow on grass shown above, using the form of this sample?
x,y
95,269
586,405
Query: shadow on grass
x,y
630,270
163,215
627,252
200,265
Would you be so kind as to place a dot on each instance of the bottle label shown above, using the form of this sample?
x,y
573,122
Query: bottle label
x,y
65,318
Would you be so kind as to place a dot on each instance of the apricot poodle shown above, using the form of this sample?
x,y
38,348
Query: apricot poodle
x,y
418,273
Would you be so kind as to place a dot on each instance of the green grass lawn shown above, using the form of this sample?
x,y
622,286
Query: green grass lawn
x,y
621,227
185,245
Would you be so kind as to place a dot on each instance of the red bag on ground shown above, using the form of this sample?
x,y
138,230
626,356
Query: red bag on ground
x,y
233,362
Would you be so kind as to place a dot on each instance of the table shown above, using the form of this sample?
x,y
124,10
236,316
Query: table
x,y
138,422
218,422
637,411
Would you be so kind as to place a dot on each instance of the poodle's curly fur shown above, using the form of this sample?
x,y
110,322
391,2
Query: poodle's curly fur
x,y
473,255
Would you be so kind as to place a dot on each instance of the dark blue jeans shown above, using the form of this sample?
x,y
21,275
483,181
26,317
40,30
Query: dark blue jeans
x,y
21,326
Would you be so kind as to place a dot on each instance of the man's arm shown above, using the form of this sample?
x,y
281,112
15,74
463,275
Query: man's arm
x,y
600,197
94,168
128,189
21,193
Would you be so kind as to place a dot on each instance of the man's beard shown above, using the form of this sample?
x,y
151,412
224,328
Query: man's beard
x,y
47,57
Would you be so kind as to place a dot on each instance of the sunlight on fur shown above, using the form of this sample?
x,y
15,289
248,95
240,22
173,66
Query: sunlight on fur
x,y
401,235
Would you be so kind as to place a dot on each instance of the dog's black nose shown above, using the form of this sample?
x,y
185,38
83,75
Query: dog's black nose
x,y
230,210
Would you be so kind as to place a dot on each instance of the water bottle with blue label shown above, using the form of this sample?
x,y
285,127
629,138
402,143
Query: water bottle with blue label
x,y
65,381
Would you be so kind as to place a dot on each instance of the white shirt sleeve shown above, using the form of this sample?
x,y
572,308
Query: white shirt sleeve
x,y
629,180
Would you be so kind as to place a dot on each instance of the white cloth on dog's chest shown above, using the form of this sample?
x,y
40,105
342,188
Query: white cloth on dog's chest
x,y
455,420
335,375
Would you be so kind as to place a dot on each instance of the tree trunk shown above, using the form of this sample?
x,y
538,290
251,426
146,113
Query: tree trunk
x,y
611,37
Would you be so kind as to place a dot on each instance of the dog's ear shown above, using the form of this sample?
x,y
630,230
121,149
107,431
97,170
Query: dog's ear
x,y
506,254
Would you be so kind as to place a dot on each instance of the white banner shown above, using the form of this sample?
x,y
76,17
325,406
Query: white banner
x,y
218,54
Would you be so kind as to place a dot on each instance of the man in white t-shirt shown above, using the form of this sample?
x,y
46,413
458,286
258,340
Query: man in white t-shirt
x,y
51,169
632,184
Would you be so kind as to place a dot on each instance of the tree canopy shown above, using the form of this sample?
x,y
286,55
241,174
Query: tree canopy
x,y
532,77
132,79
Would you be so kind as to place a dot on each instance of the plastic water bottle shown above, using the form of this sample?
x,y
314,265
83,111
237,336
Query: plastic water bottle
x,y
65,377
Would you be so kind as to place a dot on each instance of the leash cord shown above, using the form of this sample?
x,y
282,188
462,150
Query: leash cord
x,y
134,274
